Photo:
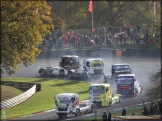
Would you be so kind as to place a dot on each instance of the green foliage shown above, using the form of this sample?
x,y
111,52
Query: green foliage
x,y
22,29
154,91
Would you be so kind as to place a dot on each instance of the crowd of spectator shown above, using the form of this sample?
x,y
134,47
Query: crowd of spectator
x,y
71,40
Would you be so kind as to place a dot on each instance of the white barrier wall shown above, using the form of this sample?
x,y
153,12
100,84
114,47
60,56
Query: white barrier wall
x,y
18,99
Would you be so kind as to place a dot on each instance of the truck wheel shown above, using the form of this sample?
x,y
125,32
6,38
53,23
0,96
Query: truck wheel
x,y
110,102
70,75
92,108
42,72
77,112
84,76
61,73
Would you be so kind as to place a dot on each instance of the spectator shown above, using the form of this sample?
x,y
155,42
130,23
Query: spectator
x,y
125,37
159,105
104,116
134,37
109,29
138,28
96,39
133,114
131,38
147,37
121,38
124,112
109,116
145,112
128,30
151,110
155,107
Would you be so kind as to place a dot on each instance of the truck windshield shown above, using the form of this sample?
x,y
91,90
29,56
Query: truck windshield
x,y
96,89
125,80
121,67
63,101
69,60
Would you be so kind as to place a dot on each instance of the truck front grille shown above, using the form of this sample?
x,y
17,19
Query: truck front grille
x,y
98,72
62,109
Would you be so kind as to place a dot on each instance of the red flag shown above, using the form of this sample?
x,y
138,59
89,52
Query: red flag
x,y
154,7
90,6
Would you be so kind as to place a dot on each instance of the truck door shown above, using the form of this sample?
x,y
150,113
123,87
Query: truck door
x,y
89,67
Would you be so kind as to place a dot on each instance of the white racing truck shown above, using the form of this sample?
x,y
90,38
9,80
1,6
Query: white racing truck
x,y
66,63
92,67
68,105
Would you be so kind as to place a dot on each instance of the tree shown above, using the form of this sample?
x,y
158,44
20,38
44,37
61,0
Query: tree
x,y
23,25
154,92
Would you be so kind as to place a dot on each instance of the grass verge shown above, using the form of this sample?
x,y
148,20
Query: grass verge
x,y
44,99
8,92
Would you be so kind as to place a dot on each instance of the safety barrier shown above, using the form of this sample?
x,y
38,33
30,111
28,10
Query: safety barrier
x,y
133,52
18,99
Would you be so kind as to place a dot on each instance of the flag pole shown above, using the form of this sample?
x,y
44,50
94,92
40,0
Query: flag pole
x,y
92,19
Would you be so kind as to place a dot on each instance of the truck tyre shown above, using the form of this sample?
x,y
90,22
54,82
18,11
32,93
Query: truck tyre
x,y
77,112
42,72
110,102
84,76
92,108
70,75
61,72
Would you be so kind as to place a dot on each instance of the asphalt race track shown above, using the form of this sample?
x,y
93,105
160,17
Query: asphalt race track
x,y
142,67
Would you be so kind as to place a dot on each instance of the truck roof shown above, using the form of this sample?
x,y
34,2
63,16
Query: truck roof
x,y
100,84
120,64
69,56
66,94
91,59
120,75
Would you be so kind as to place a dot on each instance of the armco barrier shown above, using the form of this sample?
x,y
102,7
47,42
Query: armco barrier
x,y
18,99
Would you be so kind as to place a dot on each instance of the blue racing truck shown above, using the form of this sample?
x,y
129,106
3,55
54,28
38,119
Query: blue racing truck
x,y
127,84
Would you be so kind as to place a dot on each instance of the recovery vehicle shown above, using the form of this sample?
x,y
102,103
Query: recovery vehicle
x,y
68,105
101,94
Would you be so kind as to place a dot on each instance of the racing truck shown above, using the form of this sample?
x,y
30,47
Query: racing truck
x,y
127,84
92,67
117,69
66,63
68,105
101,95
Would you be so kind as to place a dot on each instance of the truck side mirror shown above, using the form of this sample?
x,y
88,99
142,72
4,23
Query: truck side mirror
x,y
73,99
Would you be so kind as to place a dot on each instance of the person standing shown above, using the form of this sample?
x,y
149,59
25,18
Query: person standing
x,y
109,29
145,112
124,112
104,116
109,116
138,28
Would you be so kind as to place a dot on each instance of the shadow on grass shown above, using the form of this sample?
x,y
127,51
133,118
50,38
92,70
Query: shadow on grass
x,y
41,80
66,83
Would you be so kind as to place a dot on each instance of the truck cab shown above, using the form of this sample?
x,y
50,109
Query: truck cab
x,y
122,68
101,94
67,104
127,84
94,67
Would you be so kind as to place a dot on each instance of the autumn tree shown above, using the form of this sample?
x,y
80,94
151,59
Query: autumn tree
x,y
23,25
154,91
